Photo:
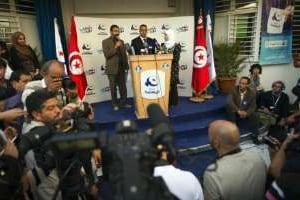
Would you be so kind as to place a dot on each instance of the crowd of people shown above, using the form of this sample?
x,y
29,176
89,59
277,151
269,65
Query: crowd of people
x,y
36,100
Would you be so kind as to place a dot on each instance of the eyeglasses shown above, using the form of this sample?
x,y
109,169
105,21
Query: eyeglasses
x,y
57,78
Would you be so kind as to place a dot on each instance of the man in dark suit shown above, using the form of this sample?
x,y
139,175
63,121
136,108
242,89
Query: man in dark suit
x,y
241,104
116,66
143,44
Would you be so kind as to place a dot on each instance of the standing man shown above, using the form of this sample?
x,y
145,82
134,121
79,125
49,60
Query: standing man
x,y
143,44
116,67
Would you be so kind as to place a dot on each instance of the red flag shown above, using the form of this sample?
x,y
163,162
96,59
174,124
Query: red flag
x,y
200,80
76,71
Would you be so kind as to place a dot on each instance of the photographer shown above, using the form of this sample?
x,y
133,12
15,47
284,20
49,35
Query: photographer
x,y
284,172
50,171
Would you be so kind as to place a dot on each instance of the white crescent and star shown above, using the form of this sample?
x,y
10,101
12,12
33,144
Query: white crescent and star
x,y
200,57
76,66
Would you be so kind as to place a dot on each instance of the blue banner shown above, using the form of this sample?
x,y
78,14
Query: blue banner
x,y
275,49
276,37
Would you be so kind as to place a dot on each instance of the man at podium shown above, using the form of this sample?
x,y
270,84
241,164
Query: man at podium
x,y
116,67
143,44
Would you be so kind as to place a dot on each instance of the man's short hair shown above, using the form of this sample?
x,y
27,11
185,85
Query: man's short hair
x,y
2,63
16,75
113,26
246,78
143,25
46,66
35,101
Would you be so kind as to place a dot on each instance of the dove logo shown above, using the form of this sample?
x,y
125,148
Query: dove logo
x,y
90,91
86,49
165,27
151,81
102,30
134,30
152,84
275,21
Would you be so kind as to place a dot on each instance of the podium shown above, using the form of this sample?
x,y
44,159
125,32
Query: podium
x,y
150,81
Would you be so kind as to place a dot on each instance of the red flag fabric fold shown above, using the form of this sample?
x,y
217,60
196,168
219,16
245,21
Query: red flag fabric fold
x,y
76,71
200,79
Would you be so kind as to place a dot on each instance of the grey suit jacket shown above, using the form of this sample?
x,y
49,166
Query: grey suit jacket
x,y
234,101
114,59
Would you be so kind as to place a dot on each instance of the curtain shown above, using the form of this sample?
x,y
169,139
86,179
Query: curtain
x,y
46,11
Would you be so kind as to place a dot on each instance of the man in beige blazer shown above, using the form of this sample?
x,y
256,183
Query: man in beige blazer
x,y
116,66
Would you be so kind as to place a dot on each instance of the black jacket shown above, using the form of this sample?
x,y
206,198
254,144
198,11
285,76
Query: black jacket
x,y
138,44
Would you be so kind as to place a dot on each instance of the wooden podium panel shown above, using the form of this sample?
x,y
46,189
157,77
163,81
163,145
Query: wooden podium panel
x,y
150,81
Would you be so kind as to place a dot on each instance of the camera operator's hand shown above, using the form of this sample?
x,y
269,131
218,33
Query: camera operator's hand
x,y
94,191
96,155
92,114
10,133
11,150
290,137
68,109
242,113
12,114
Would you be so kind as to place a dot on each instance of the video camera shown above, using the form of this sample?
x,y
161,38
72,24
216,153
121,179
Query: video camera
x,y
130,156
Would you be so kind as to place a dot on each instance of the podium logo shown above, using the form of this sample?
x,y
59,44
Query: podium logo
x,y
86,29
102,29
151,81
90,90
184,28
153,84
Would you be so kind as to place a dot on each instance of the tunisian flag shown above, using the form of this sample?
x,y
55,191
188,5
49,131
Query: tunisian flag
x,y
76,71
200,80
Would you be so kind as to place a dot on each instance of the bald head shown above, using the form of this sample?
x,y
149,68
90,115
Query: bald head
x,y
224,134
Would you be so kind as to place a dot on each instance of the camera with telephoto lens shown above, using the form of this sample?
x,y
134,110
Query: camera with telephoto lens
x,y
129,156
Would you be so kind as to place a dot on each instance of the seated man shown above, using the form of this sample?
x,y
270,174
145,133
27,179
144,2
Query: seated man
x,y
275,101
241,103
236,174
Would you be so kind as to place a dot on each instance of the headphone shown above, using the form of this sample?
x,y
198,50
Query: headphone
x,y
281,83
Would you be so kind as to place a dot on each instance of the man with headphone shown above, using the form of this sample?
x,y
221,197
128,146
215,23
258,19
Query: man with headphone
x,y
275,101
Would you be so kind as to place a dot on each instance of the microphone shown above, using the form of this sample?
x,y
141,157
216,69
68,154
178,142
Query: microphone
x,y
162,133
146,46
157,46
128,48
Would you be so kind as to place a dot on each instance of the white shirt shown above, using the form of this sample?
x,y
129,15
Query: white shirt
x,y
183,184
